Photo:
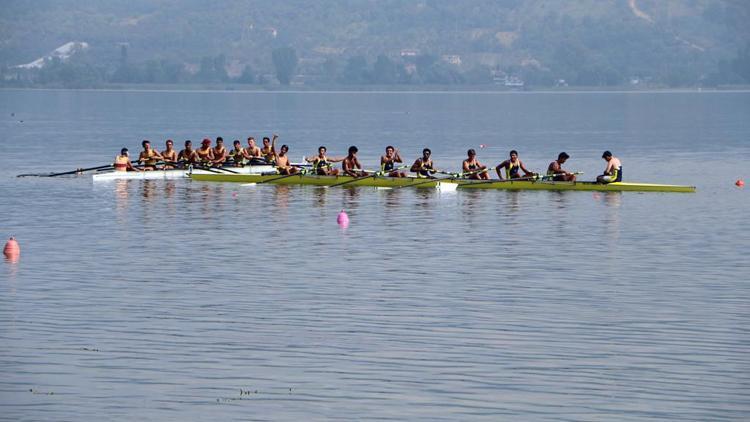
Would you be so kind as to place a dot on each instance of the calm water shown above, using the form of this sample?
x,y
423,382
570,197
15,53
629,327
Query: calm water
x,y
196,301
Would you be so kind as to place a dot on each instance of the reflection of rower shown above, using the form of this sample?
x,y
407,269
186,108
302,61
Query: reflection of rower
x,y
513,167
388,161
613,172
473,169
122,162
149,156
322,163
423,165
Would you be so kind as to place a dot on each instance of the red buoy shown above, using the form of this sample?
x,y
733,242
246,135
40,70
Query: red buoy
x,y
11,249
739,183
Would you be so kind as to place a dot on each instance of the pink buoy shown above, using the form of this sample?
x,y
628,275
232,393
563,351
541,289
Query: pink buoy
x,y
342,219
739,183
11,249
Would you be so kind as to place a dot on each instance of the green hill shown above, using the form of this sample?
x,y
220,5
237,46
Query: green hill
x,y
584,42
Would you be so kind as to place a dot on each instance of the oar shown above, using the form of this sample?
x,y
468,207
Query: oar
x,y
302,171
374,175
65,173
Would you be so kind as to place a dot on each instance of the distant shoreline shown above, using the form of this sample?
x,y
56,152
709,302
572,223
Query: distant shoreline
x,y
346,89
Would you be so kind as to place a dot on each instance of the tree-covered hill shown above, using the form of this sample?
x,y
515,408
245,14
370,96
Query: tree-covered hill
x,y
583,42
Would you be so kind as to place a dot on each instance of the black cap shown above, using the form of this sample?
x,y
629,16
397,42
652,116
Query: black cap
x,y
123,151
606,154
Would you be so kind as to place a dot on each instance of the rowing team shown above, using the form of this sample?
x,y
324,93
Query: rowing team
x,y
350,165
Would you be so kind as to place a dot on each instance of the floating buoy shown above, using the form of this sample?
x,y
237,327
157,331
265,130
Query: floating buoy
x,y
342,219
739,183
482,145
11,249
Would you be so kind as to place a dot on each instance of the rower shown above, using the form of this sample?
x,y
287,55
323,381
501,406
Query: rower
x,y
613,172
512,168
169,155
238,153
423,165
122,162
252,152
148,156
556,171
282,162
205,153
388,161
267,152
220,152
322,164
473,169
351,164
187,156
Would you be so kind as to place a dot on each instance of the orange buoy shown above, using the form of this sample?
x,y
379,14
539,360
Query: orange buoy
x,y
739,183
11,249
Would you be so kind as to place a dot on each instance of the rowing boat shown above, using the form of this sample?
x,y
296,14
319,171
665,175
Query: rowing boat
x,y
178,173
397,182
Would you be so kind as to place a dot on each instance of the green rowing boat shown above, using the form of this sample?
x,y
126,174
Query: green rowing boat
x,y
398,182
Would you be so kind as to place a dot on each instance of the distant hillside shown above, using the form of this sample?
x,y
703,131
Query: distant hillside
x,y
583,42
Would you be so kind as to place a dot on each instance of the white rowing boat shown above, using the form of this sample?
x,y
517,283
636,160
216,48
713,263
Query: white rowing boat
x,y
178,173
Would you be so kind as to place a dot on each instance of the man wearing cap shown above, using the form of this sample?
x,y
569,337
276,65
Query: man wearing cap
x,y
556,171
205,153
613,172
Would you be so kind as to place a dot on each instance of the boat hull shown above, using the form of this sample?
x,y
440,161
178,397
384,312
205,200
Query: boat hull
x,y
579,186
315,180
176,173
382,181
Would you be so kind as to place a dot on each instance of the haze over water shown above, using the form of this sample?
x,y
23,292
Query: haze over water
x,y
157,300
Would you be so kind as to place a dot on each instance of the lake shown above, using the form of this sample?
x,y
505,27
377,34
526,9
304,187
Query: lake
x,y
182,300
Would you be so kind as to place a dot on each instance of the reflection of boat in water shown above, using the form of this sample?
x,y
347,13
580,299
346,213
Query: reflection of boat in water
x,y
395,182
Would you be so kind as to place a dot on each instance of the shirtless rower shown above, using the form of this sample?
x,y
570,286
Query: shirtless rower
x,y
122,162
149,156
557,172
187,156
512,167
252,152
388,161
282,162
169,155
321,163
613,172
267,152
423,165
220,153
205,153
351,164
473,169
237,153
